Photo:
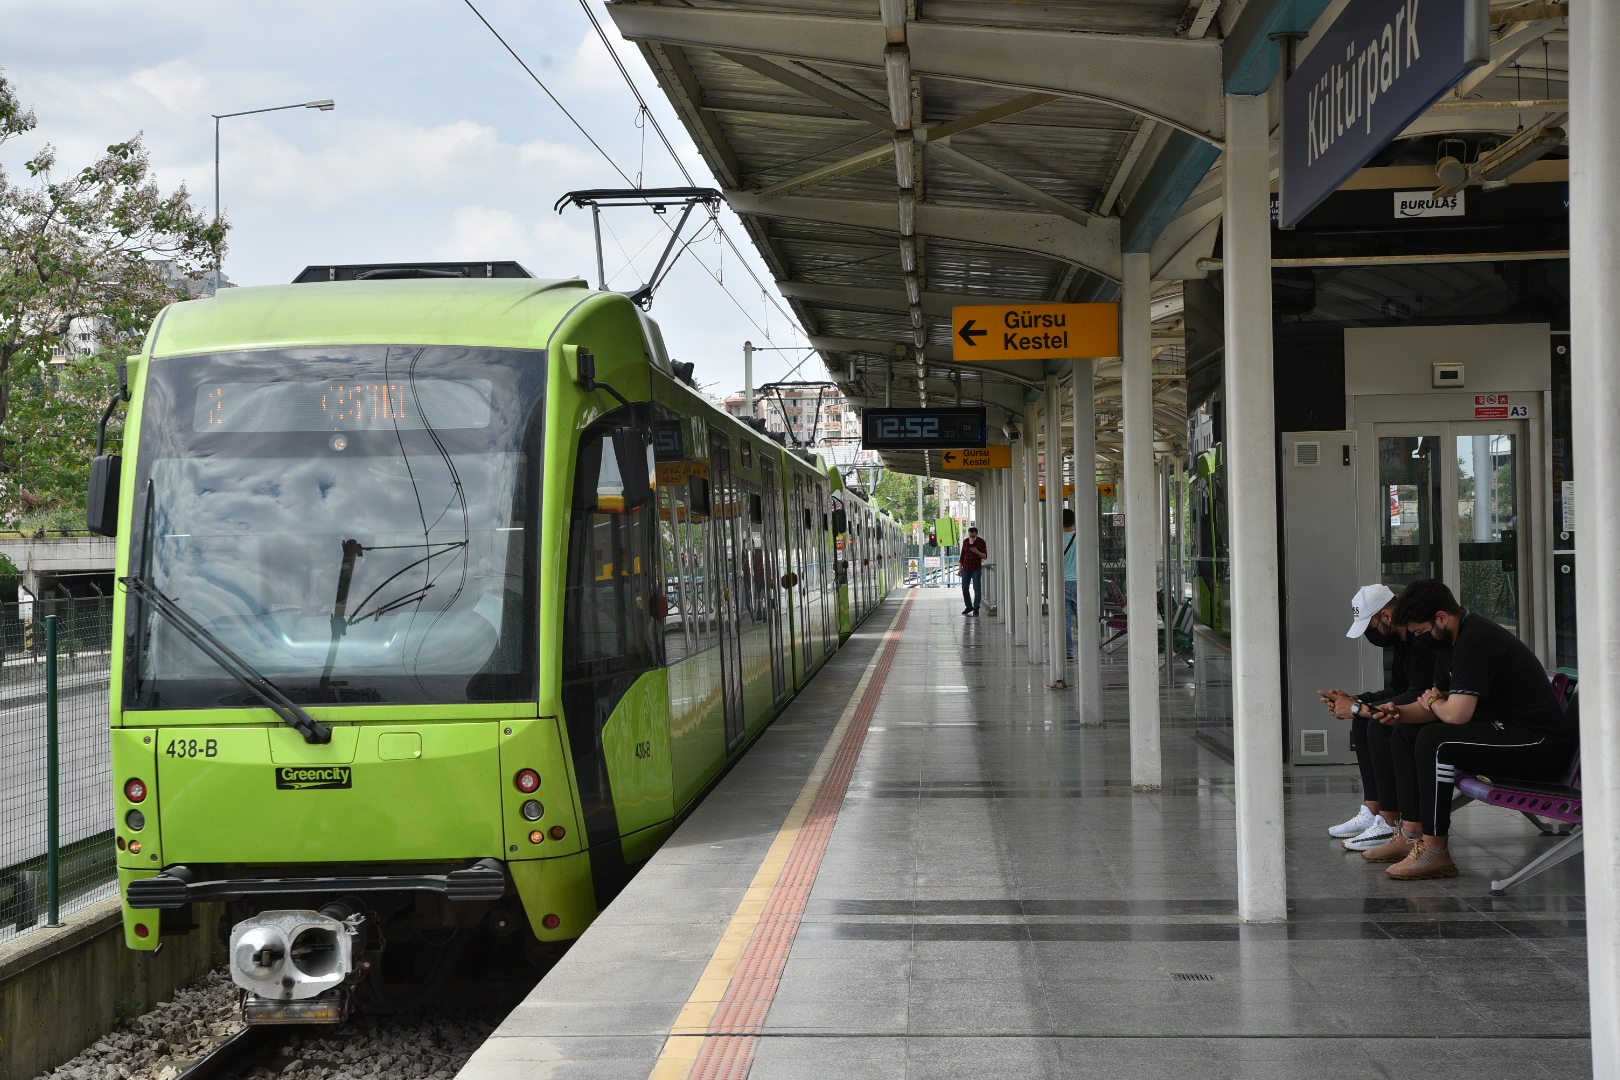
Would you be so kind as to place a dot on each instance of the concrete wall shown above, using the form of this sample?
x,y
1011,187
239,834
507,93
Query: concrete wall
x,y
50,555
60,988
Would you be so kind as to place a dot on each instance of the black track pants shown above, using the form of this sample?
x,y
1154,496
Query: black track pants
x,y
1429,756
1358,739
1372,741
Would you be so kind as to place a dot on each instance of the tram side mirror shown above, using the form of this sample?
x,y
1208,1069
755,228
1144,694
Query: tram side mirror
x,y
101,502
840,520
631,451
101,507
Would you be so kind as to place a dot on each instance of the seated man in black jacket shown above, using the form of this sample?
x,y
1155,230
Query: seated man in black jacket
x,y
1498,713
1372,613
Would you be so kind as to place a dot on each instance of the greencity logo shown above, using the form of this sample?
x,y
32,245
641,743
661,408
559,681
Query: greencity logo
x,y
313,777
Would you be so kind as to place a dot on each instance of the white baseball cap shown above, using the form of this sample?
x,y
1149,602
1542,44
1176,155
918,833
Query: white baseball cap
x,y
1368,601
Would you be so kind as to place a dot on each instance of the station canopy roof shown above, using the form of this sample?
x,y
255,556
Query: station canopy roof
x,y
891,159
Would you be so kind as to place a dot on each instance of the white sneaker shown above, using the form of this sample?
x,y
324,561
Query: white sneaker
x,y
1364,817
1372,836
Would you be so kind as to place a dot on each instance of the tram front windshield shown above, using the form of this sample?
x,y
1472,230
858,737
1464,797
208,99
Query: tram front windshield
x,y
357,523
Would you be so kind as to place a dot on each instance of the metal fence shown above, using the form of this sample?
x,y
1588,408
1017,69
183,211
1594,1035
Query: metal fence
x,y
56,811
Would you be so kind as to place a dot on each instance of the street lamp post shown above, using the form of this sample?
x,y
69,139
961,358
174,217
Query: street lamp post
x,y
324,105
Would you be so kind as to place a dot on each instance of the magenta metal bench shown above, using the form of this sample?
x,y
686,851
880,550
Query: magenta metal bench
x,y
1541,803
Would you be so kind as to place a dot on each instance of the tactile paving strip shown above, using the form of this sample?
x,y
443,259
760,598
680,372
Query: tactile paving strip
x,y
727,1052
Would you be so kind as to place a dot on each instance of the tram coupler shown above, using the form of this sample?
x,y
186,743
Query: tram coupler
x,y
296,958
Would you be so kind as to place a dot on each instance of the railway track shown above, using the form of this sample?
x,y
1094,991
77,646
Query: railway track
x,y
237,1055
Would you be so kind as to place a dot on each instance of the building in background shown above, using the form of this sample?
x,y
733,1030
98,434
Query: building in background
x,y
809,414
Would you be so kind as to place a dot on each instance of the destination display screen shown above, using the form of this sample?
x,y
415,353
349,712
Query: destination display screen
x,y
922,429
343,405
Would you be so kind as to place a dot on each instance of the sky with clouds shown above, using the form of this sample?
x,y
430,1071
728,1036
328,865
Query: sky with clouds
x,y
440,147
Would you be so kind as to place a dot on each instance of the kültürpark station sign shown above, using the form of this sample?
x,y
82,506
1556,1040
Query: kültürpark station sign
x,y
1378,68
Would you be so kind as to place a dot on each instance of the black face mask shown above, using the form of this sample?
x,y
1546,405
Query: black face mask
x,y
1378,638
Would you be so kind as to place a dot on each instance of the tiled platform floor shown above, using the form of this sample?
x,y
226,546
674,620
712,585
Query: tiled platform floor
x,y
996,902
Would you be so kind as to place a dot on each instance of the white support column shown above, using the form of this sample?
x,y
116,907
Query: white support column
x,y
1018,560
1005,560
1052,421
1594,232
1167,590
1087,587
1141,518
1251,501
1032,539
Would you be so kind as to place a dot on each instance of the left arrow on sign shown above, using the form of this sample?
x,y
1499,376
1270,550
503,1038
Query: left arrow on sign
x,y
967,333
949,457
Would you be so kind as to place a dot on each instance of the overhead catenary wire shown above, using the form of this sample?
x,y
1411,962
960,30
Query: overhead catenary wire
x,y
658,128
547,90
615,166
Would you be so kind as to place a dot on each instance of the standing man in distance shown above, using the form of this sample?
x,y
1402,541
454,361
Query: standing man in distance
x,y
974,551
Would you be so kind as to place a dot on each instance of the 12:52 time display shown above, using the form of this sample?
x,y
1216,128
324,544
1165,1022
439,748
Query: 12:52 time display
x,y
919,429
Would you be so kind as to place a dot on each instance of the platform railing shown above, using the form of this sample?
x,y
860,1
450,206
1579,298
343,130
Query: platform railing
x,y
56,812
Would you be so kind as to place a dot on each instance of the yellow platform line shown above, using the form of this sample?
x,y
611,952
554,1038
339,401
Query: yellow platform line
x,y
685,1039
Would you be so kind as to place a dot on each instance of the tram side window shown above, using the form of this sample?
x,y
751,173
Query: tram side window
x,y
690,585
614,600
678,644
755,583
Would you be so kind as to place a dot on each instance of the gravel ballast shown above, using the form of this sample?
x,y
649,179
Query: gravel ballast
x,y
163,1043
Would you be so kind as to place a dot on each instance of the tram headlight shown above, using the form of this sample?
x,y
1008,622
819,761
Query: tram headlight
x,y
527,781
135,790
533,810
135,820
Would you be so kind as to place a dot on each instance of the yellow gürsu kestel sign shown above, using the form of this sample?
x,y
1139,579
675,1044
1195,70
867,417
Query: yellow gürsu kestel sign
x,y
1034,331
994,456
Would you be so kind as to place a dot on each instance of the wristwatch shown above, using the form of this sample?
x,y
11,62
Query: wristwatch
x,y
1355,710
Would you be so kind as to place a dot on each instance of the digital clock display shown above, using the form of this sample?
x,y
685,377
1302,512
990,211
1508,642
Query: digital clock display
x,y
923,429
343,404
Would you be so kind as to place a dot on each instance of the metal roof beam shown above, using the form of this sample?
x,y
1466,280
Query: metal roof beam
x,y
1174,80
714,103
938,304
1010,184
1504,50
986,116
846,103
1094,247
853,164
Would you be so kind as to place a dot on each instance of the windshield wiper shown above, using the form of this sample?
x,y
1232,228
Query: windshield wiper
x,y
216,650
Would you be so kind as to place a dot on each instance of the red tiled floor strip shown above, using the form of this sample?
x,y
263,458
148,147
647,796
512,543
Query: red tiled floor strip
x,y
728,1050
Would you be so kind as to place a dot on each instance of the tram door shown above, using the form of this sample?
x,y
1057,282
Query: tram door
x,y
1451,504
774,596
726,508
827,593
799,526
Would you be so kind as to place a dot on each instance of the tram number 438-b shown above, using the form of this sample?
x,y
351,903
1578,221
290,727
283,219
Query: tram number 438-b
x,y
190,748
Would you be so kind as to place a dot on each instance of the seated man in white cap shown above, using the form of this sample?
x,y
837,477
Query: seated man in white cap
x,y
1372,612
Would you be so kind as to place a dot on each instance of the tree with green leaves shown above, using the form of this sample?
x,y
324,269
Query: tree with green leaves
x,y
897,493
103,248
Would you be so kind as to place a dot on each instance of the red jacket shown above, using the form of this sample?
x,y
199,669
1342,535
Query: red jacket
x,y
973,552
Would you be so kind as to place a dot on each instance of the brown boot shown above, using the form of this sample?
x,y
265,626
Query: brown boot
x,y
1424,862
1398,847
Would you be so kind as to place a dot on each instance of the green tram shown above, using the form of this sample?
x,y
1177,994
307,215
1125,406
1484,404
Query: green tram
x,y
444,596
